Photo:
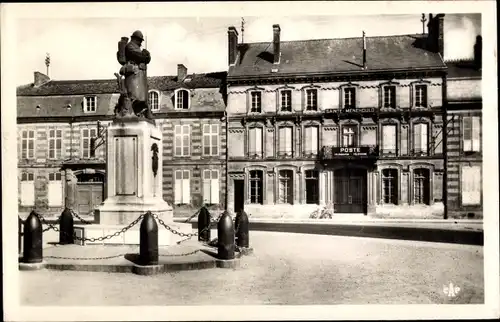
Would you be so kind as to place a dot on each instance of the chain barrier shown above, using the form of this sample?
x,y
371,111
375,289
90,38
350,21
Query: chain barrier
x,y
195,214
83,221
86,258
181,255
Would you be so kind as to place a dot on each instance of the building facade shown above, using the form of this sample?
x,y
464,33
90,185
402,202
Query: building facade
x,y
59,164
353,124
464,137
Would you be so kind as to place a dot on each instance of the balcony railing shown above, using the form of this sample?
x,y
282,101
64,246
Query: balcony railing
x,y
356,152
255,154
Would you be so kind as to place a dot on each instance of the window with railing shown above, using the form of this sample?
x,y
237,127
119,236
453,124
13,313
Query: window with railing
x,y
420,139
255,142
285,193
421,186
311,143
285,141
286,100
256,186
389,186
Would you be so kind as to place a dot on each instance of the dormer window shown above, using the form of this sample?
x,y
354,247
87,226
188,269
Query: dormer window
x,y
182,99
420,95
286,100
256,102
311,99
90,104
389,98
154,100
350,97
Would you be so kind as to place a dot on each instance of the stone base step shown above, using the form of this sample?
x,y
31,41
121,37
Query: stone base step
x,y
131,236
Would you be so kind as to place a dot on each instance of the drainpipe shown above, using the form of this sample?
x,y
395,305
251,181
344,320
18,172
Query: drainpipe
x,y
227,158
445,148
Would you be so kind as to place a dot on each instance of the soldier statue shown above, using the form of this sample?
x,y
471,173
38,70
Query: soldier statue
x,y
132,79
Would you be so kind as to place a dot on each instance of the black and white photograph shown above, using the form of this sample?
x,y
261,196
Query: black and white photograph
x,y
249,160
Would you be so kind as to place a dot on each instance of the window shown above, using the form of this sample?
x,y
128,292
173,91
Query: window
x,y
311,140
211,139
389,99
421,186
55,193
211,187
420,141
55,144
285,143
255,142
389,139
285,193
90,104
28,144
471,185
154,100
182,99
286,101
256,103
182,140
390,186
87,134
27,189
349,136
311,99
349,98
471,140
256,187
421,95
182,192
312,187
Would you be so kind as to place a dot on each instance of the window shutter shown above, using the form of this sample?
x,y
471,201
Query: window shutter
x,y
424,141
308,139
475,134
288,139
258,140
215,139
186,197
282,133
27,193
251,140
214,188
178,187
417,137
206,187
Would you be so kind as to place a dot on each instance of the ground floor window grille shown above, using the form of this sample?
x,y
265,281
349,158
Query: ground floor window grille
x,y
389,186
286,186
421,186
312,187
256,187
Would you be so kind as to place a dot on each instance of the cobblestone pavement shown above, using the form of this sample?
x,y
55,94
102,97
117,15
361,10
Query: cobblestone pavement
x,y
285,269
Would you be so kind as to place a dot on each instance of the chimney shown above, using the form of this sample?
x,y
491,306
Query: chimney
x,y
276,44
40,79
232,37
478,53
436,33
364,50
181,72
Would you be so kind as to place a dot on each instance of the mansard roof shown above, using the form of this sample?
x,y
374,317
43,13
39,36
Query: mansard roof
x,y
335,56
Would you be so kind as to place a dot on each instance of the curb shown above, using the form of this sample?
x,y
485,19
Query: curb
x,y
428,234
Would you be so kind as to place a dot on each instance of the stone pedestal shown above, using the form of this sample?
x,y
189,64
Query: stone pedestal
x,y
134,176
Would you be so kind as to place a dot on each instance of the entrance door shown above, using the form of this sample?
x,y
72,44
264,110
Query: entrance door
x,y
89,197
239,201
350,191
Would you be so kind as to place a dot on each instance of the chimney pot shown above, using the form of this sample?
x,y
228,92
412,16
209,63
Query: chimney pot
x,y
40,79
435,36
232,35
478,52
181,72
276,43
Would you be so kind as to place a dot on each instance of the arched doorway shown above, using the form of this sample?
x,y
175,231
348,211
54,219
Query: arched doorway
x,y
350,190
90,191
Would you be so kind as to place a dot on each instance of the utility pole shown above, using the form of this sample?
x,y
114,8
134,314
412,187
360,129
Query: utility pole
x,y
423,20
47,62
242,29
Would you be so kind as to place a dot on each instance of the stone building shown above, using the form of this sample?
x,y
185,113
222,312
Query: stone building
x,y
354,124
464,137
57,119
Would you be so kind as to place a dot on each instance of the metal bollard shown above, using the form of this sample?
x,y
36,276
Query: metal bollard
x,y
148,252
242,228
32,242
225,236
203,224
66,228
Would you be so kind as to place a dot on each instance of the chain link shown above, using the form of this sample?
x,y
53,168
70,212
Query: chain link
x,y
86,258
83,221
181,255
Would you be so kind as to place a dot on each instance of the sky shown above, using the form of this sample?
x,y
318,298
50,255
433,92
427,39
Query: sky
x,y
85,48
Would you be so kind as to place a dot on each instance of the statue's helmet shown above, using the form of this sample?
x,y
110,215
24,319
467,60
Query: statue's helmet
x,y
138,34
